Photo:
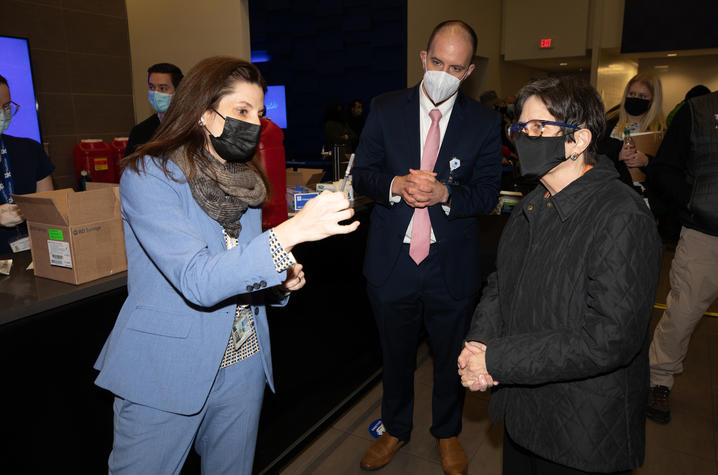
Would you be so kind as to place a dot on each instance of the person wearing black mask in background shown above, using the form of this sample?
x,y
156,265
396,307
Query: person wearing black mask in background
x,y
641,110
189,356
561,331
162,81
24,168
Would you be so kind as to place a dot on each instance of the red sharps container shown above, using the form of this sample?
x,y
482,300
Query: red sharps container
x,y
271,157
118,146
96,158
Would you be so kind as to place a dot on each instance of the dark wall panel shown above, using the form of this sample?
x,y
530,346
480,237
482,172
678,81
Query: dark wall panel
x,y
80,53
328,51
650,25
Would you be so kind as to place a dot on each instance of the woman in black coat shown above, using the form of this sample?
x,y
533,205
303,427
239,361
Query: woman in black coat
x,y
561,328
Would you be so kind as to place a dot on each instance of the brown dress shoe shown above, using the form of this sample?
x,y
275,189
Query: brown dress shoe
x,y
380,452
453,457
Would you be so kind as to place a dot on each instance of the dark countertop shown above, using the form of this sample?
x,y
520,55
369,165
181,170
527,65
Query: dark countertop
x,y
22,294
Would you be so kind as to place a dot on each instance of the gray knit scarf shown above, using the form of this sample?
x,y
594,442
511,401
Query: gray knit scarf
x,y
223,190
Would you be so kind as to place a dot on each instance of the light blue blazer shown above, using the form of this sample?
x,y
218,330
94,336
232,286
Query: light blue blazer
x,y
169,338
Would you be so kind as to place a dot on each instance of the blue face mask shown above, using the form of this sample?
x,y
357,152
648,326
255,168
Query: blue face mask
x,y
160,101
4,120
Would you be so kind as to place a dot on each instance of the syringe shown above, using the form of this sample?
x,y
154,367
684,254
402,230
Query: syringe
x,y
347,172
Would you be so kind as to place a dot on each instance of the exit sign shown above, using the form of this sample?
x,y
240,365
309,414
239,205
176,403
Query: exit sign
x,y
545,43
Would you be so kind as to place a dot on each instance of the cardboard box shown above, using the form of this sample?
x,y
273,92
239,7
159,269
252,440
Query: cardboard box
x,y
75,237
306,177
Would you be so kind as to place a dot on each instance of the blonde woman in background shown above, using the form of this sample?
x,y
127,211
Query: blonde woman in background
x,y
641,110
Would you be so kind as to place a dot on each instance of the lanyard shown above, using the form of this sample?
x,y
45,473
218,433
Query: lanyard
x,y
7,185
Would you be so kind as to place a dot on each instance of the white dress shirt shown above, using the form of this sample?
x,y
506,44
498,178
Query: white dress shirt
x,y
426,106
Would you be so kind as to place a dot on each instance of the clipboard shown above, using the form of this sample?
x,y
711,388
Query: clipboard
x,y
647,142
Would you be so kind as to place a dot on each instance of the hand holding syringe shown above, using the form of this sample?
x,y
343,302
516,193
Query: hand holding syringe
x,y
347,172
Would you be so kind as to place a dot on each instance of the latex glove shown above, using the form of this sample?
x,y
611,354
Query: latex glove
x,y
10,215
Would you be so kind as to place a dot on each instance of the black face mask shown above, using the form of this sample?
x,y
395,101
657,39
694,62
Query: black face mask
x,y
238,141
538,155
636,106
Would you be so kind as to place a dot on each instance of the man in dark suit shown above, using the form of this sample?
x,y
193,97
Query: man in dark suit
x,y
430,158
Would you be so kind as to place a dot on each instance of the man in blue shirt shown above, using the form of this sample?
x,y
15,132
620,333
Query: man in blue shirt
x,y
25,168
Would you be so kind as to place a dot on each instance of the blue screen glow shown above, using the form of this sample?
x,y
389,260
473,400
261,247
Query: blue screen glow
x,y
260,56
275,102
15,67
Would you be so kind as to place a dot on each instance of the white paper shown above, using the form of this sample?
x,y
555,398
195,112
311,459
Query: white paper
x,y
60,253
20,244
5,266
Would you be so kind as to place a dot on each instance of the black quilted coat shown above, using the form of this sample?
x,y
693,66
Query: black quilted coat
x,y
565,320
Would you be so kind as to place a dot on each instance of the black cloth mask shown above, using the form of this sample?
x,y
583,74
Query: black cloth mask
x,y
238,141
636,106
538,155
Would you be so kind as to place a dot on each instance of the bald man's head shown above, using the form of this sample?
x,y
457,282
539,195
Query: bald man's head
x,y
455,27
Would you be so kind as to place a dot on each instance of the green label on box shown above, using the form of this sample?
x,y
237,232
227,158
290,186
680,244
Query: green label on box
x,y
55,234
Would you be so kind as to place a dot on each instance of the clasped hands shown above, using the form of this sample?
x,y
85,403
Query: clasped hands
x,y
632,157
420,189
472,367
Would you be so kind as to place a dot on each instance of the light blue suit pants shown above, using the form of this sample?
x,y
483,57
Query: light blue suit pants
x,y
151,441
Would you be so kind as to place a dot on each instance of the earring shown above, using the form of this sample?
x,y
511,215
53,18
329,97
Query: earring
x,y
573,156
201,121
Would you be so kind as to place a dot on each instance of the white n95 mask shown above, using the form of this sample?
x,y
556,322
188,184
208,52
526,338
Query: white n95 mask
x,y
440,85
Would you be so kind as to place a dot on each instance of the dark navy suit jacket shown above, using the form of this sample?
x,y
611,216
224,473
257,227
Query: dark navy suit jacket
x,y
390,145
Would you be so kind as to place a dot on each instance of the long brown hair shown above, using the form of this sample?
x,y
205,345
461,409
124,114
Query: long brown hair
x,y
201,89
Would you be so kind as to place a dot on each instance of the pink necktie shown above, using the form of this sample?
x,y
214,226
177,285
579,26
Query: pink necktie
x,y
421,229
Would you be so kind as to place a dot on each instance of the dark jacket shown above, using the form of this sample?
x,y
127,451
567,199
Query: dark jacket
x,y
390,146
684,155
565,320
142,133
611,147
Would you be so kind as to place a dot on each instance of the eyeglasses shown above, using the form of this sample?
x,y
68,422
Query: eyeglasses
x,y
12,107
535,128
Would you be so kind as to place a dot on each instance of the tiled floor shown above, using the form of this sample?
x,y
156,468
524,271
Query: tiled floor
x,y
688,445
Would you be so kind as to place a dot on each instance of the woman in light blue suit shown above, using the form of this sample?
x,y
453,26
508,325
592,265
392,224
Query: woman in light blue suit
x,y
189,355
